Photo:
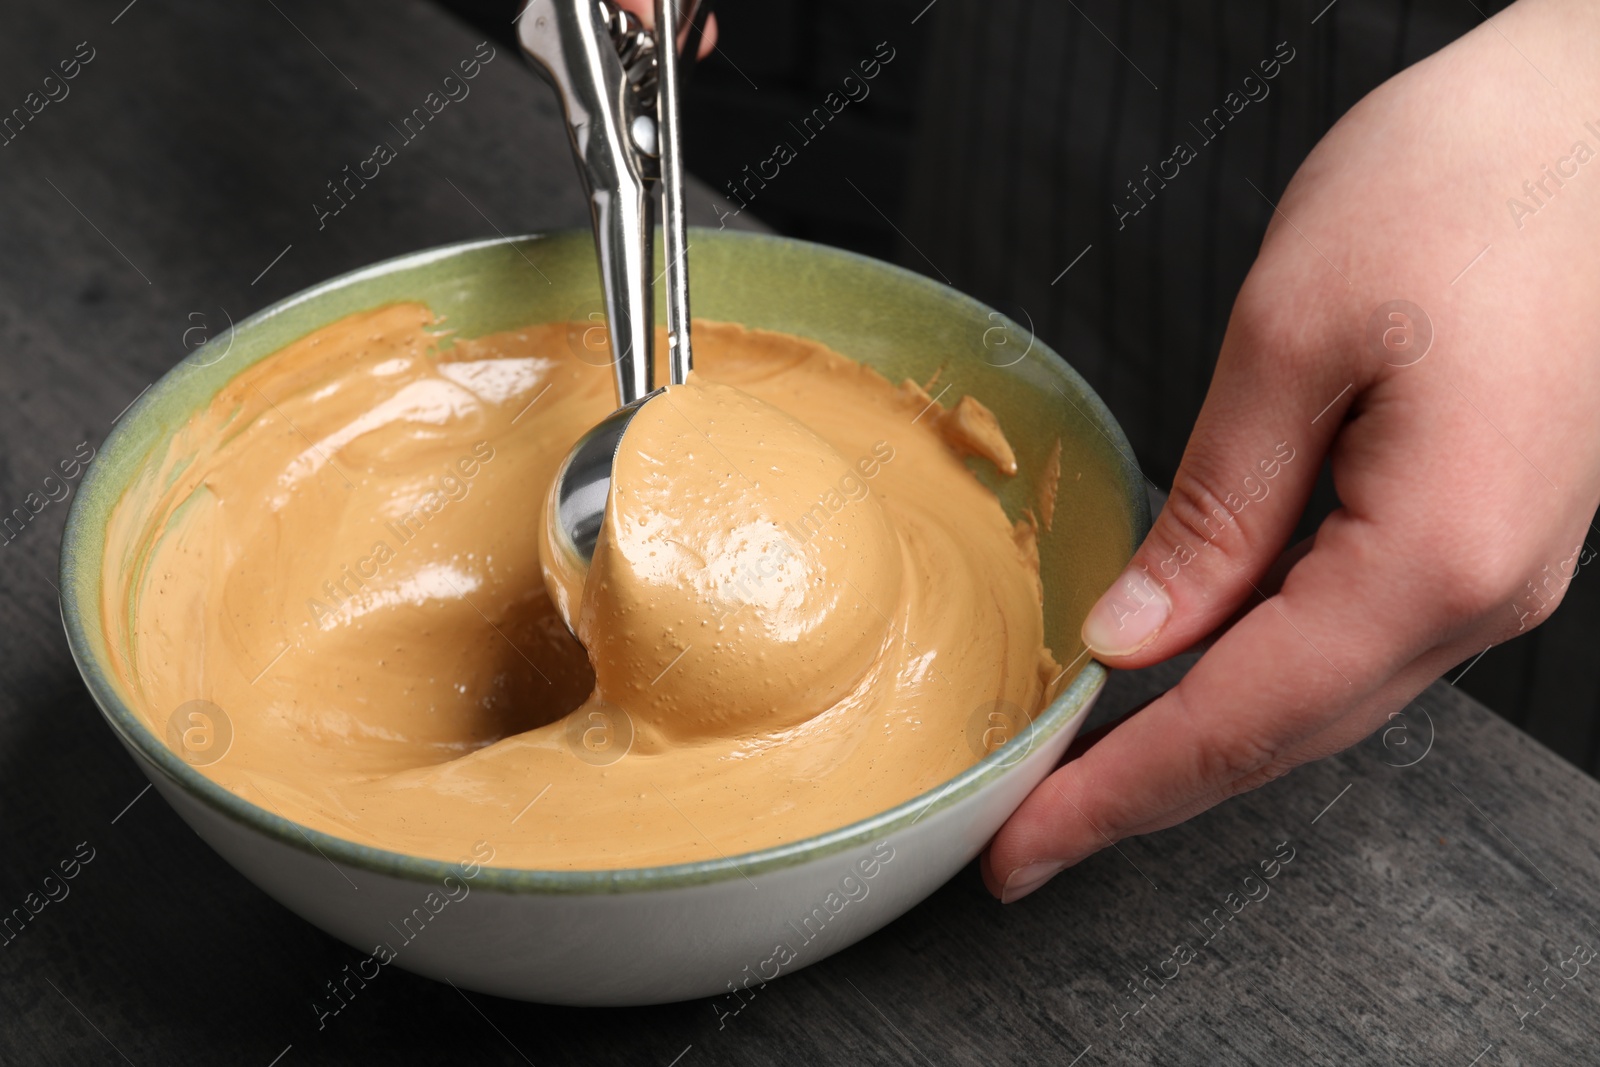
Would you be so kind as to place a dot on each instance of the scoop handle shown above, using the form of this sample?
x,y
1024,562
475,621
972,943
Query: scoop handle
x,y
624,237
570,43
669,114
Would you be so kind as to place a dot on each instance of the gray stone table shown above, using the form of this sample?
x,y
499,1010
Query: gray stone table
x,y
171,184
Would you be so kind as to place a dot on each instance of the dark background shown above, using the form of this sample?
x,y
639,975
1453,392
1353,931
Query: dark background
x,y
774,63
989,149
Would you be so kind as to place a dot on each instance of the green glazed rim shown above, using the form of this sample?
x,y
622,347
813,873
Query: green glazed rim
x,y
446,275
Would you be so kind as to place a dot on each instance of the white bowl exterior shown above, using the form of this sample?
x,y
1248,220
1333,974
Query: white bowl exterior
x,y
640,946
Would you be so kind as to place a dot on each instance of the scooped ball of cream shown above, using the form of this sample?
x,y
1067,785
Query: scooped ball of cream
x,y
744,575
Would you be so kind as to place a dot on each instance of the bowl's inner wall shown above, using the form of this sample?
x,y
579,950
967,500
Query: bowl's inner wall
x,y
902,324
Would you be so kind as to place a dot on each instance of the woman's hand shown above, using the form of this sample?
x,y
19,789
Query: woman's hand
x,y
1467,466
646,11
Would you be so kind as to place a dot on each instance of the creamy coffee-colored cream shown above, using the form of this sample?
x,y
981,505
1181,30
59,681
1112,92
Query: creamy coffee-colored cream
x,y
803,610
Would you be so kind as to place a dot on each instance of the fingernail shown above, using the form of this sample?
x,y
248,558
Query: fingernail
x,y
1025,880
1129,615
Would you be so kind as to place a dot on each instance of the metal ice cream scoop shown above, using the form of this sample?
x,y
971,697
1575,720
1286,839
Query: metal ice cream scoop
x,y
619,87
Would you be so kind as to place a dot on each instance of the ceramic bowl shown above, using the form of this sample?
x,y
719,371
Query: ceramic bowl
x,y
719,926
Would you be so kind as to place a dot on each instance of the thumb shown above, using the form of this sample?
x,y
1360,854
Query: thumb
x,y
1243,482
